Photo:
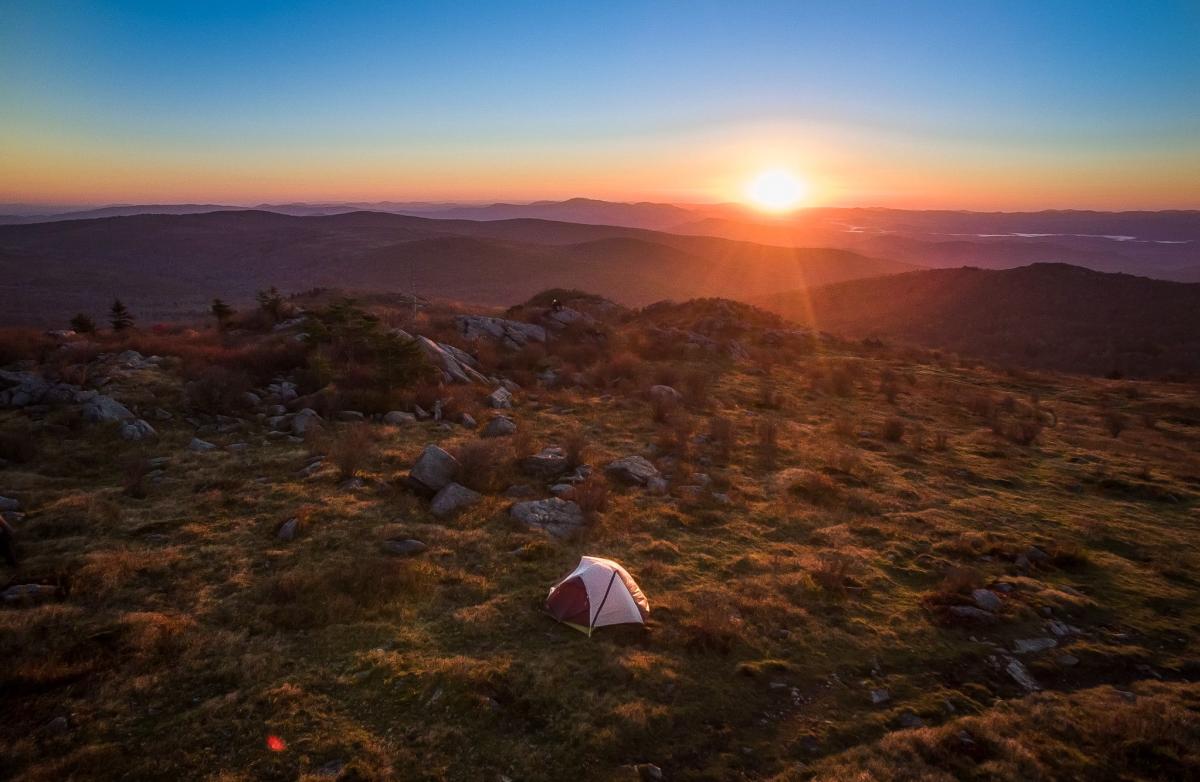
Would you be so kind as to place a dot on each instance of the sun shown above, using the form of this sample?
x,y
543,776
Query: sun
x,y
776,190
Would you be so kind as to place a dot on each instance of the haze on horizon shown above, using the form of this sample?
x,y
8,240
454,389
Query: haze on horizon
x,y
933,105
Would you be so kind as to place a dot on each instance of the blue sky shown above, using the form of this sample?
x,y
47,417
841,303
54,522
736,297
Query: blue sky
x,y
629,100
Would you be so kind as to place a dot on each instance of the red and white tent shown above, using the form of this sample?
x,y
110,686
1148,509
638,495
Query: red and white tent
x,y
597,593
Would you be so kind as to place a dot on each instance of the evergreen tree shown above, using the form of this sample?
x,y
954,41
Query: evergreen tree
x,y
271,302
222,312
82,323
119,316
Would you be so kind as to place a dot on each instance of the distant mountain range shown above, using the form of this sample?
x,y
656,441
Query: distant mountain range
x,y
165,266
1051,316
1164,245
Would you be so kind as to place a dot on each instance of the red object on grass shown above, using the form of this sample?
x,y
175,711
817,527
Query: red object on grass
x,y
276,744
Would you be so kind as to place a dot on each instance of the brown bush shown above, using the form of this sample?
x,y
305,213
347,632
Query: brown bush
x,y
217,390
832,572
575,445
768,442
696,386
135,467
482,465
621,368
662,408
723,436
350,448
18,443
591,496
893,430
1022,431
1115,422
815,487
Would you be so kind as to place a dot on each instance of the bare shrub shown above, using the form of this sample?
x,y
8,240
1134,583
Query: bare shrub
x,y
217,391
815,487
135,467
845,426
768,442
940,441
591,496
18,443
1022,431
889,385
350,448
1115,422
575,445
832,572
662,408
723,436
482,466
696,386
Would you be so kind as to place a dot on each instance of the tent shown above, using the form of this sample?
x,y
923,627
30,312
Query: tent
x,y
597,593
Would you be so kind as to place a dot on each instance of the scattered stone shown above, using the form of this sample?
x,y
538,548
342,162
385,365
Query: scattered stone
x,y
665,395
987,600
510,333
353,483
1020,674
200,446
911,720
1029,645
1061,629
451,499
500,426
547,464
648,772
468,420
288,530
349,416
102,409
398,418
57,726
656,485
1126,694
879,697
331,769
137,429
238,447
632,469
29,593
501,399
312,468
434,468
403,547
562,489
1067,660
8,503
972,614
455,364
304,421
555,515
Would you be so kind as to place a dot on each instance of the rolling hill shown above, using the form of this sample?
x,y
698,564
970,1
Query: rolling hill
x,y
165,266
1051,316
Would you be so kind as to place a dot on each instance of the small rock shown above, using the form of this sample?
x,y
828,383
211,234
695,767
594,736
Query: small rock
x,y
287,530
1067,660
632,469
403,547
547,464
1029,645
656,485
880,697
468,420
305,421
8,503
648,772
398,418
137,429
199,445
1020,674
519,491
910,720
501,398
665,394
349,416
58,726
499,426
972,614
987,600
451,499
29,593
555,515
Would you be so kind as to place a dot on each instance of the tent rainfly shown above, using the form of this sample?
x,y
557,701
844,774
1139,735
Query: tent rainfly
x,y
598,592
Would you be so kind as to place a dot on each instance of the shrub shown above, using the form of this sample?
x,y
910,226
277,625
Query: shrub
x,y
1022,431
662,408
893,430
217,391
482,466
83,323
350,448
135,469
722,435
1115,423
575,444
696,385
591,496
832,572
17,442
119,316
768,442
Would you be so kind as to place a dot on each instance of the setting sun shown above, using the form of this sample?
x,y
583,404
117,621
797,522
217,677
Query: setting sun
x,y
776,190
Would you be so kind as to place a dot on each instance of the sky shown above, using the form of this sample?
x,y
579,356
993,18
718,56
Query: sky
x,y
967,104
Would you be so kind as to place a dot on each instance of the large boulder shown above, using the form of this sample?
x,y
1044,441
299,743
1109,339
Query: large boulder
x,y
633,470
101,408
433,469
451,361
556,516
509,333
20,389
451,499
305,421
547,464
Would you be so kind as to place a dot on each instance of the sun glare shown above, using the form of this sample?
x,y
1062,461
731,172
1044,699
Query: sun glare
x,y
776,190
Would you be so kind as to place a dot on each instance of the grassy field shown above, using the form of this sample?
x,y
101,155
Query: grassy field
x,y
800,627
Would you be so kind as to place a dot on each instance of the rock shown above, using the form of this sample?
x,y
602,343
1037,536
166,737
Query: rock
x,y
987,600
304,421
648,772
1020,674
547,464
29,593
556,516
349,416
101,409
8,503
200,446
434,468
398,418
468,420
879,697
562,489
510,385
510,333
519,491
632,469
238,447
665,395
1029,645
451,499
403,547
499,426
1035,554
57,726
137,429
501,399
288,530
8,542
161,414
972,614
1067,660
657,485
449,361
353,483
420,413
311,469
910,720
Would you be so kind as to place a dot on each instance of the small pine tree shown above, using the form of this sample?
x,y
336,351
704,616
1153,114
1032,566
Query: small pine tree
x,y
82,323
119,316
271,302
222,312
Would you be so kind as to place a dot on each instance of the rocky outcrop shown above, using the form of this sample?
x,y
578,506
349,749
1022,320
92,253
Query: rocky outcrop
x,y
547,464
632,469
433,469
456,365
510,333
451,499
500,426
